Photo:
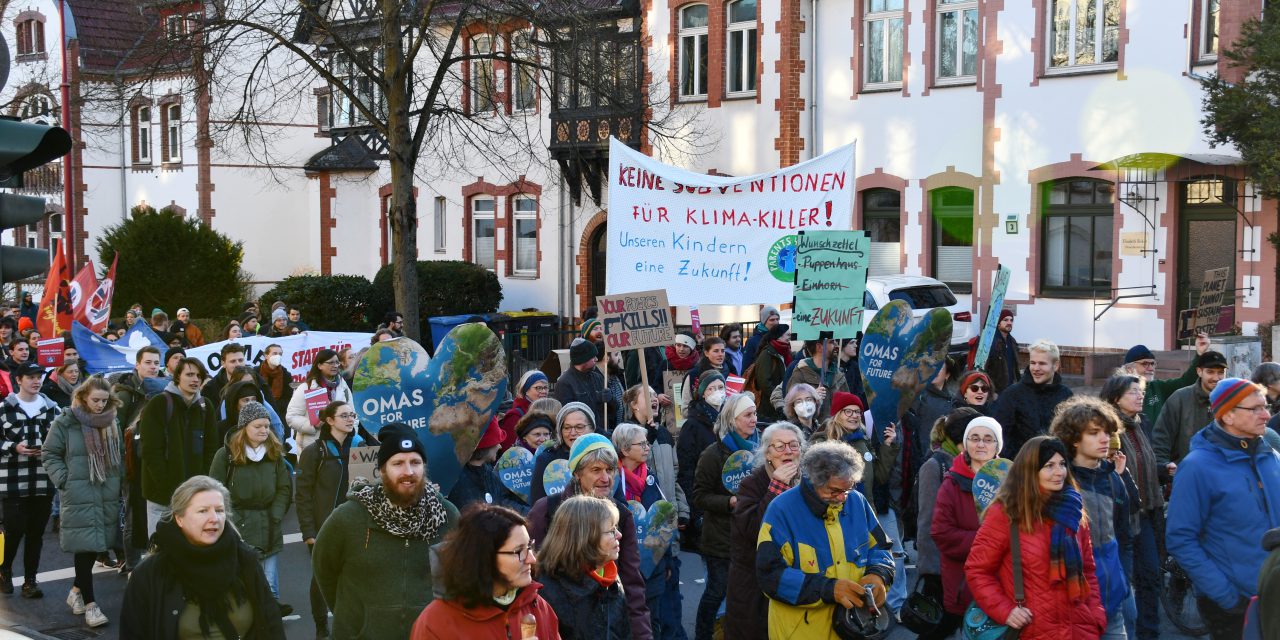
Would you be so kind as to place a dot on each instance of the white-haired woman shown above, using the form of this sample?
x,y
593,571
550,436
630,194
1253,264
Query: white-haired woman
x,y
736,428
777,468
640,484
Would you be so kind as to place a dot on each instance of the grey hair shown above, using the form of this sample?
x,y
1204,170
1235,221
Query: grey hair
x,y
625,433
766,440
604,454
724,421
187,491
1267,374
827,460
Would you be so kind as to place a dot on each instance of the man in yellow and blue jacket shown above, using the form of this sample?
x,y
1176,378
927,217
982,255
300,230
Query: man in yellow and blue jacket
x,y
820,545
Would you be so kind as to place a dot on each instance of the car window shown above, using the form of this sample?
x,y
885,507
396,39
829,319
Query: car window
x,y
868,302
927,297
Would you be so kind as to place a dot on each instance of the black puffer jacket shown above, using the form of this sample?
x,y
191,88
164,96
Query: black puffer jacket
x,y
698,433
587,610
1025,410
322,481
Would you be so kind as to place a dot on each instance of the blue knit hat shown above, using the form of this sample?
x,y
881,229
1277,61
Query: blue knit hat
x,y
1138,352
531,378
584,445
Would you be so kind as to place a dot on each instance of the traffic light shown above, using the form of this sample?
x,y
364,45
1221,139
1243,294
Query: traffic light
x,y
24,146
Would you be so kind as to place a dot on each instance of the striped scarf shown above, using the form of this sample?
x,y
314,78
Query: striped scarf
x,y
101,441
1064,510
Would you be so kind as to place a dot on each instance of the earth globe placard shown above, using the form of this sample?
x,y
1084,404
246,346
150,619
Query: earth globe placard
x,y
515,470
736,468
900,354
655,529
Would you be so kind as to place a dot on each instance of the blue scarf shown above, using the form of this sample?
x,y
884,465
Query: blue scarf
x,y
736,442
1064,510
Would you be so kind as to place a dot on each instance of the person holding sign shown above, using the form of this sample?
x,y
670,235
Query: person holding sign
x,y
325,373
821,370
736,430
1040,499
322,486
955,522
767,371
662,447
583,383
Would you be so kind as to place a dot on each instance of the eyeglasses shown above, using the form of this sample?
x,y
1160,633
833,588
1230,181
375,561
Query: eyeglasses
x,y
1146,364
539,387
643,445
827,493
1262,408
785,446
850,412
522,554
981,440
1137,393
979,388
614,531
348,415
575,428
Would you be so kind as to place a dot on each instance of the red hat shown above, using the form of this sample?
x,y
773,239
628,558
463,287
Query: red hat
x,y
1005,313
843,399
493,435
25,324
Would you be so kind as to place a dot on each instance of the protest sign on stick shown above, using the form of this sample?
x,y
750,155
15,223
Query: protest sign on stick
x,y
1211,294
635,321
831,278
998,288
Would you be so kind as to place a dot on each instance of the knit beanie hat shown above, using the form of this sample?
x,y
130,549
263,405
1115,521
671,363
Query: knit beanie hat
x,y
844,399
279,314
398,437
767,311
972,377
536,420
707,378
1228,394
169,354
252,410
589,326
584,445
581,351
570,408
25,324
529,379
1138,352
1005,313
990,423
687,340
493,435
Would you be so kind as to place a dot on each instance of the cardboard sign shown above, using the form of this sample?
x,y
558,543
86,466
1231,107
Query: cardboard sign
x,y
317,399
986,483
736,469
362,464
999,286
49,352
1211,294
515,470
899,355
636,320
831,278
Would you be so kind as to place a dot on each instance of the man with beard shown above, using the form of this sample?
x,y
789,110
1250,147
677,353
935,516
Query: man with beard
x,y
372,556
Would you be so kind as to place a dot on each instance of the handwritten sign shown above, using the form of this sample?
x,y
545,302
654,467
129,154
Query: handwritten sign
x,y
49,352
998,288
362,464
636,320
831,278
718,239
1211,294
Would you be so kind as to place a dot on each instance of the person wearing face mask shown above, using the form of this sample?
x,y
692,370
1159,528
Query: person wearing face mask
x,y
682,357
736,430
821,370
801,405
768,369
276,378
696,435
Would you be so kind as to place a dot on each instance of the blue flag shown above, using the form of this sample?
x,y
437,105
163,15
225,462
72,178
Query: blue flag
x,y
101,356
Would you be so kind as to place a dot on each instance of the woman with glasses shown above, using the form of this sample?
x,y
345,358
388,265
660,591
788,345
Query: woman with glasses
x,y
486,569
955,516
533,386
642,409
325,373
579,570
975,392
640,484
322,485
777,468
573,421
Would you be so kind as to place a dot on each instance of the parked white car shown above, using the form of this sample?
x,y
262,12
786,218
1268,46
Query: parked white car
x,y
923,294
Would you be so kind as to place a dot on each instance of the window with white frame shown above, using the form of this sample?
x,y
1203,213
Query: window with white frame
x,y
438,218
173,150
525,76
693,51
483,231
957,40
37,108
1209,29
882,43
175,26
742,47
143,134
33,233
482,79
524,215
1083,33
365,88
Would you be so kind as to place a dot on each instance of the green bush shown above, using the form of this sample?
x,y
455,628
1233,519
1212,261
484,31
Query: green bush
x,y
170,261
445,288
327,303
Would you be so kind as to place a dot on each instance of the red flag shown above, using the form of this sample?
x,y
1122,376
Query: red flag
x,y
86,283
54,315
97,308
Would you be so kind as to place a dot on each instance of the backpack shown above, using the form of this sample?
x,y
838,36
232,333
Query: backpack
x,y
911,512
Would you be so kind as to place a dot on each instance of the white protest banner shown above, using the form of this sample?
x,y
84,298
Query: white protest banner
x,y
299,350
636,320
716,239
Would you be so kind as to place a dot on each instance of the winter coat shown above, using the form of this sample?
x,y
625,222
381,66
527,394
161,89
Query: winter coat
x,y
510,418
770,365
1269,586
929,484
1141,464
587,610
746,609
917,426
24,476
711,496
376,583
588,388
54,392
628,561
296,417
698,433
662,462
1158,392
212,390
448,619
178,442
751,350
1025,409
90,512
954,527
733,360
655,364
261,493
480,483
127,388
1185,413
1107,503
874,484
548,455
831,377
1225,499
153,599
322,481
797,567
1002,362
989,571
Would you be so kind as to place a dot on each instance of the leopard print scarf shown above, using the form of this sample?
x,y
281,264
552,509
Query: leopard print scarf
x,y
421,521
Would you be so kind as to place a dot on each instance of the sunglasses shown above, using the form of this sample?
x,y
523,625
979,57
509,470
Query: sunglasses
x,y
979,387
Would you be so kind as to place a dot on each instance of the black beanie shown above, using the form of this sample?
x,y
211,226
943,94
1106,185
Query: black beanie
x,y
581,352
398,437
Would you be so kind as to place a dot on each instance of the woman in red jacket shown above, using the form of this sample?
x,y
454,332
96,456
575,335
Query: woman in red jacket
x,y
487,571
955,516
1061,590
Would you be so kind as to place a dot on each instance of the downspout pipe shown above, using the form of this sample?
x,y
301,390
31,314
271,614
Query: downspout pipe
x,y
815,146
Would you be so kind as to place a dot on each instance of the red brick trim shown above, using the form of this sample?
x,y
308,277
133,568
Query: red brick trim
x,y
789,66
502,92
948,178
878,179
986,219
583,259
327,223
1076,167
859,37
204,148
1231,19
24,50
715,42
508,222
73,225
502,218
646,72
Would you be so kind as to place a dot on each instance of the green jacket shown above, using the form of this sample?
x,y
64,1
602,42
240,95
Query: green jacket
x,y
260,496
175,446
375,583
1185,413
90,512
1158,391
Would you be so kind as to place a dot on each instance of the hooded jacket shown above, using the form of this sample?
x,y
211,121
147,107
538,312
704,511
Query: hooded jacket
x,y
179,439
448,619
1025,410
24,476
1226,496
1185,413
90,511
954,527
1107,502
261,493
746,612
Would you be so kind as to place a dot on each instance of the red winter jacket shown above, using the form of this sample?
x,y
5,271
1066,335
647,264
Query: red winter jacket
x,y
989,571
509,420
448,620
955,525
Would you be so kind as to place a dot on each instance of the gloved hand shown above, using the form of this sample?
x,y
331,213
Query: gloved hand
x,y
877,587
848,594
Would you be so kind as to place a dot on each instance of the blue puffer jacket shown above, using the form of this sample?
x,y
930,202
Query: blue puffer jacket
x,y
1107,502
1226,495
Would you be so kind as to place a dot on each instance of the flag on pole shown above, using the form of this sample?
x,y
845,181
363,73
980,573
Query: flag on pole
x,y
86,283
54,315
97,308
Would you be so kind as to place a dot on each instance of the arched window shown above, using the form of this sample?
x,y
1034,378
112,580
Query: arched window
x,y
1076,247
693,51
742,47
38,108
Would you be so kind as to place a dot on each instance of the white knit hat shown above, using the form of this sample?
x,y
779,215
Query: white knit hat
x,y
990,423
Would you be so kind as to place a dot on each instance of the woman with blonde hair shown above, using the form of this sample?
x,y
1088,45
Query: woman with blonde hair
x,y
578,570
252,467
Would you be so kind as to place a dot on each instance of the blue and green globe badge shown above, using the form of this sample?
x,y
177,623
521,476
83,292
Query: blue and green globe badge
x,y
782,259
515,470
655,529
555,478
736,468
986,483
448,400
